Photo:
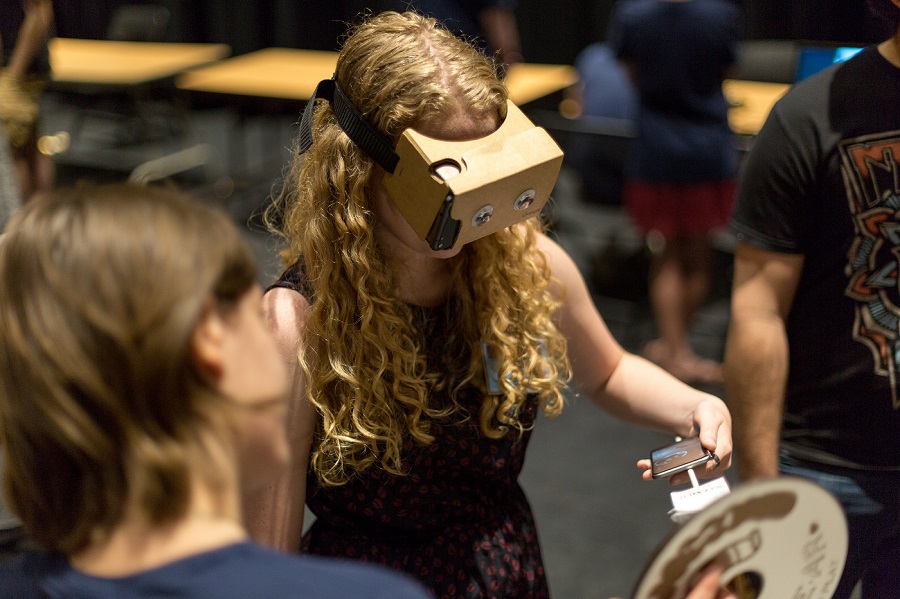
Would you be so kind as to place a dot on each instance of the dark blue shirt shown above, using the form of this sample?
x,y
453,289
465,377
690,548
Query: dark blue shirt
x,y
606,92
680,52
240,571
462,16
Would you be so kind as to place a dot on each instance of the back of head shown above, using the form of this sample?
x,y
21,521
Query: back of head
x,y
401,68
101,406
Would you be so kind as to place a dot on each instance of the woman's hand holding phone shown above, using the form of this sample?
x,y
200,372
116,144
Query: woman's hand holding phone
x,y
673,461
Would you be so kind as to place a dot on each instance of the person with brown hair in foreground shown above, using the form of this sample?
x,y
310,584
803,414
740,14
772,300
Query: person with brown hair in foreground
x,y
140,392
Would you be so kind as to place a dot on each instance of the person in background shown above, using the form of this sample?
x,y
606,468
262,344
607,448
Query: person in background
x,y
606,102
812,354
681,178
489,24
10,198
25,27
418,373
140,391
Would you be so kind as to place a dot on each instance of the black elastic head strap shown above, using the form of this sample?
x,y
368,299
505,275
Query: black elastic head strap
x,y
357,128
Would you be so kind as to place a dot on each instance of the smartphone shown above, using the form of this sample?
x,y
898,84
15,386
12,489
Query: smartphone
x,y
678,457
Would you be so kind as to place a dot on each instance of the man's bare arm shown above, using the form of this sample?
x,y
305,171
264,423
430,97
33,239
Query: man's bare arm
x,y
756,355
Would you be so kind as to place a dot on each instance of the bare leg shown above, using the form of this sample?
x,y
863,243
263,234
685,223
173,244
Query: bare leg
x,y
668,297
695,256
679,283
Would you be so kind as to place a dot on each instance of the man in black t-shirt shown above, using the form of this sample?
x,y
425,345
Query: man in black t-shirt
x,y
813,353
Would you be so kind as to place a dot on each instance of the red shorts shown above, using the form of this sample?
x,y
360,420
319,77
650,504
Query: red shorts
x,y
685,210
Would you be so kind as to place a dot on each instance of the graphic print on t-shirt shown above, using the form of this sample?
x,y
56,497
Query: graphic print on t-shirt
x,y
871,169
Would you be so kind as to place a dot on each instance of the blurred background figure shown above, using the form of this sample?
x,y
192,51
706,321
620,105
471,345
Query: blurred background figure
x,y
10,196
25,27
489,24
681,176
606,103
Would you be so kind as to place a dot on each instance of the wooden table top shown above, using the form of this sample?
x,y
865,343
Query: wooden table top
x,y
751,103
527,82
293,74
104,62
284,73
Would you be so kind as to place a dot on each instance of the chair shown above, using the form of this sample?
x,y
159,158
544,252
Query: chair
x,y
774,61
139,23
139,114
140,131
597,149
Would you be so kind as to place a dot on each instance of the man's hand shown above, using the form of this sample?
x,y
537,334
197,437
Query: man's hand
x,y
708,586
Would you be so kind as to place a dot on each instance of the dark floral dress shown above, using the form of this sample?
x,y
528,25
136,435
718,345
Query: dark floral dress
x,y
459,521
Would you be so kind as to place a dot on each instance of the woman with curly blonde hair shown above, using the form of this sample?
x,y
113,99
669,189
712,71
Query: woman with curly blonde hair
x,y
405,451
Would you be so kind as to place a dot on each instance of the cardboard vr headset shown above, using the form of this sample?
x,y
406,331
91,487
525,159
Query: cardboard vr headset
x,y
454,192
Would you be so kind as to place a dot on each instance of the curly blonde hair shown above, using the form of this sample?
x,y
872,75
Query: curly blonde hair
x,y
363,358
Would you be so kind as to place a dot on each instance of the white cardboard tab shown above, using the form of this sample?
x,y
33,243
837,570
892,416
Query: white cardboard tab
x,y
688,502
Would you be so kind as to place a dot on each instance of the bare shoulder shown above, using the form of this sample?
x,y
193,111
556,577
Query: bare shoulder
x,y
562,266
286,312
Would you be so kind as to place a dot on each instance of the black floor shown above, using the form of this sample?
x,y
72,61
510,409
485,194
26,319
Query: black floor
x,y
597,520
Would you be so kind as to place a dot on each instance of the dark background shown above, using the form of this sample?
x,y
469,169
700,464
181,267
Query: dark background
x,y
551,32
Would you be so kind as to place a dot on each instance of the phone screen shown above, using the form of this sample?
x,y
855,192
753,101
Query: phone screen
x,y
678,457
